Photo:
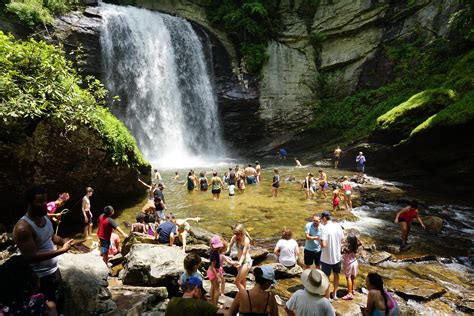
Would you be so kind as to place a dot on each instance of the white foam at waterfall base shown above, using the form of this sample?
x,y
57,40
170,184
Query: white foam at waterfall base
x,y
156,64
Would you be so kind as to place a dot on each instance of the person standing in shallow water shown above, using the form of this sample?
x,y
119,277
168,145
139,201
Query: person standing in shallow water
x,y
275,183
216,186
337,156
360,161
258,169
404,219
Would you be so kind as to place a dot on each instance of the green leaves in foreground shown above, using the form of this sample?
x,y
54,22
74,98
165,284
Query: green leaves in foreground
x,y
38,83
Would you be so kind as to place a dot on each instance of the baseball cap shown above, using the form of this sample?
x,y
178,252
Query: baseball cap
x,y
193,281
268,273
326,214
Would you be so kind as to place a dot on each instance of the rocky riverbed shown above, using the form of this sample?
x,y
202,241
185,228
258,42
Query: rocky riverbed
x,y
433,278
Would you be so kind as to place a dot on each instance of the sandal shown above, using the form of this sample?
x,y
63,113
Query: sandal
x,y
348,297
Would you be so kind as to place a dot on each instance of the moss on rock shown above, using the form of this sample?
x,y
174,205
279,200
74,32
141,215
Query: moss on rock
x,y
398,123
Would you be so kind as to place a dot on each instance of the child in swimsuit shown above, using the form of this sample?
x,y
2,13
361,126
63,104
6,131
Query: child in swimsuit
x,y
347,188
335,198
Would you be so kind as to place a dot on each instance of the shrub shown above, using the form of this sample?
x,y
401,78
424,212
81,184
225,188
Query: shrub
x,y
37,83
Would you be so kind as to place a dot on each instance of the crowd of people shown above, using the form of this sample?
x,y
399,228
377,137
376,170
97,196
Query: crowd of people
x,y
327,251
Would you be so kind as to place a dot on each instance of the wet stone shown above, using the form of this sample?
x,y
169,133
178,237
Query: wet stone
x,y
350,307
135,238
202,235
441,274
117,259
134,300
414,288
379,257
432,223
201,250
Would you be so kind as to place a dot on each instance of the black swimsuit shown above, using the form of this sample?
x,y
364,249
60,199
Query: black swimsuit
x,y
251,313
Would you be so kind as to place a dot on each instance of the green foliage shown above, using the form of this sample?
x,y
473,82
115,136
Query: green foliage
x,y
316,38
30,12
418,67
38,83
251,24
458,113
119,140
38,12
461,76
418,107
254,56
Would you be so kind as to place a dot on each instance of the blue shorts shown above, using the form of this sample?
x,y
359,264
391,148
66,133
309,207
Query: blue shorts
x,y
327,268
104,246
360,168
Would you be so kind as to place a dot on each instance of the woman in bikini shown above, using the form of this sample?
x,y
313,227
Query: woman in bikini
x,y
242,240
257,301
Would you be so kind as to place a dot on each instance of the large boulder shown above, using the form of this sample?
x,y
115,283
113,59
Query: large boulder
x,y
282,272
85,285
201,235
201,250
433,223
154,265
136,238
379,257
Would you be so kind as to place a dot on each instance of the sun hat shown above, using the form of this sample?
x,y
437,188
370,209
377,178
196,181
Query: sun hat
x,y
268,273
315,281
216,242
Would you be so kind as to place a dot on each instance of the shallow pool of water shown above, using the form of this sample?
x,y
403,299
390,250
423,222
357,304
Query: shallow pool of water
x,y
262,214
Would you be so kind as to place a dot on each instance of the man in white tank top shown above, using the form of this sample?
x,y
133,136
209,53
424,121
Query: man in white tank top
x,y
34,236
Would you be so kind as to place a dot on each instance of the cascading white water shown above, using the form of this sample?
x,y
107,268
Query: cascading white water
x,y
155,63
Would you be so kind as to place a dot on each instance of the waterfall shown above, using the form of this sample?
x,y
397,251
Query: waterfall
x,y
156,64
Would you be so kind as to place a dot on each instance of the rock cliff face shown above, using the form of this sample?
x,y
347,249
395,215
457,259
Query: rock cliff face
x,y
354,31
341,45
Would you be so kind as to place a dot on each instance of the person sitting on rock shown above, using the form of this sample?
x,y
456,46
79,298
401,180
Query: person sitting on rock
x,y
139,226
404,219
311,300
166,231
191,304
257,301
379,301
286,249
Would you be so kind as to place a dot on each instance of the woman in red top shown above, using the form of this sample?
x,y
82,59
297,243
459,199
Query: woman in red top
x,y
404,218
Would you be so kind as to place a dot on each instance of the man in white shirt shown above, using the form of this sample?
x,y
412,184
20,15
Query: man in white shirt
x,y
331,243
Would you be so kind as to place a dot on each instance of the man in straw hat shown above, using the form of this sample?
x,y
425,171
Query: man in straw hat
x,y
311,301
